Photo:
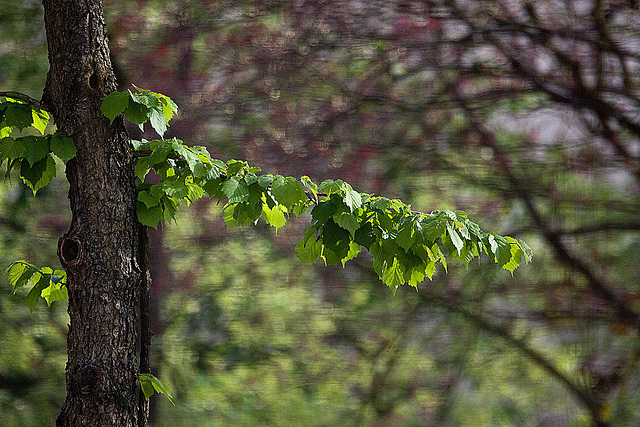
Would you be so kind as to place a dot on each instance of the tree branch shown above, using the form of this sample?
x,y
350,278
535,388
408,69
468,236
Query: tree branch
x,y
27,98
584,395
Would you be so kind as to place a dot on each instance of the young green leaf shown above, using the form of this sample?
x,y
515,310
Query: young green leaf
x,y
309,248
157,120
115,103
455,238
40,174
18,115
351,197
346,220
54,292
137,114
156,384
62,146
150,200
40,119
149,216
288,191
235,190
20,272
36,148
12,148
274,217
34,294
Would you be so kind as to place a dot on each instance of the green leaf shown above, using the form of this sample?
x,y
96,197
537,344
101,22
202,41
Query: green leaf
x,y
150,200
63,146
18,115
114,104
300,208
379,204
157,384
310,186
142,168
346,220
158,121
205,171
309,248
330,186
365,235
516,255
149,216
354,250
40,174
323,211
493,244
176,188
235,190
20,272
526,250
214,188
35,148
406,235
393,275
455,238
141,145
351,197
34,294
5,130
234,166
40,119
145,99
336,242
12,148
147,388
503,251
265,180
416,275
54,292
288,191
137,114
274,217
168,108
188,155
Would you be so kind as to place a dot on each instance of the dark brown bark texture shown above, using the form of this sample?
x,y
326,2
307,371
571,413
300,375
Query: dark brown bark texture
x,y
100,250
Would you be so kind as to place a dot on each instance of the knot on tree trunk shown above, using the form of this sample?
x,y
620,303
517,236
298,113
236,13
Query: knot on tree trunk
x,y
70,251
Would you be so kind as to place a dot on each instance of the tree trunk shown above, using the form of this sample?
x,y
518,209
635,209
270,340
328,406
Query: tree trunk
x,y
101,249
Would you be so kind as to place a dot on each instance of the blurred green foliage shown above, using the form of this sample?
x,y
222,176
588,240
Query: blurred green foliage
x,y
245,335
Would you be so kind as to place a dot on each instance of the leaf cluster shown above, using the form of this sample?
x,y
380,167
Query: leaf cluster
x,y
139,107
405,245
46,283
150,385
31,155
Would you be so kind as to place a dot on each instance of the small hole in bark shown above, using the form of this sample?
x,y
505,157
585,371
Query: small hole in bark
x,y
93,80
70,250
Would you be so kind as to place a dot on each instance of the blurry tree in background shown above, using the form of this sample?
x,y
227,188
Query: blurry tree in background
x,y
523,113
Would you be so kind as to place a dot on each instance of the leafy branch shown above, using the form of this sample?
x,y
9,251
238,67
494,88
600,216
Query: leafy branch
x,y
151,385
49,284
31,155
18,96
405,245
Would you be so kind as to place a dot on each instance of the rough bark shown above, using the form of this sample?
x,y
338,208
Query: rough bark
x,y
100,250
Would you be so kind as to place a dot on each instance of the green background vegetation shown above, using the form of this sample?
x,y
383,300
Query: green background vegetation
x,y
389,100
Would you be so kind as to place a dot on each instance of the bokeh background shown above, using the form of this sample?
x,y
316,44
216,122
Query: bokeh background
x,y
523,113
